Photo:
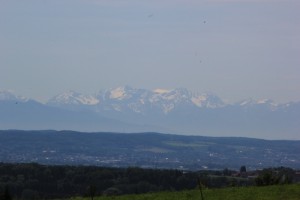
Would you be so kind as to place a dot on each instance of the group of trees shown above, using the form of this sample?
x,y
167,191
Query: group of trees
x,y
33,181
275,176
5,194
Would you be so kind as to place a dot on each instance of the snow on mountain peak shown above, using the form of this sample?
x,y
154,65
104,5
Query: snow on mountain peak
x,y
262,102
207,100
250,101
72,97
198,100
265,101
118,93
89,100
8,95
246,102
175,95
160,91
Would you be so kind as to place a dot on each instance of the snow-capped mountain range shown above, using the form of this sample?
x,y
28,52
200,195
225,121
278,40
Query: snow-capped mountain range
x,y
136,100
140,100
127,109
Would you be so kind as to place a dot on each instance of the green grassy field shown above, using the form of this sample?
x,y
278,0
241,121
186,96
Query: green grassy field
x,y
278,192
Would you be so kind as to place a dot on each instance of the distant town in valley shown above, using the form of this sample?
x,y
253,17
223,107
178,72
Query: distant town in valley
x,y
146,150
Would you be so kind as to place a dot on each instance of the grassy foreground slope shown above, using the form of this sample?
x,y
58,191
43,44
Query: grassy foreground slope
x,y
278,192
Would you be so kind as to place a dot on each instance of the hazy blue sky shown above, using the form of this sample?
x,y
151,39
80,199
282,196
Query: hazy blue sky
x,y
233,48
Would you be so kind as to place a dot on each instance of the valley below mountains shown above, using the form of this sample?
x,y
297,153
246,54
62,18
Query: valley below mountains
x,y
126,109
146,150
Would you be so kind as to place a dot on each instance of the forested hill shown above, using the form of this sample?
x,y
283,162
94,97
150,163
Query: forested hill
x,y
148,150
